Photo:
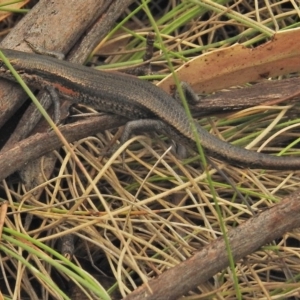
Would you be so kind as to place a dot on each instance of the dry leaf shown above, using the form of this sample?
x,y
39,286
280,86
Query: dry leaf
x,y
238,65
5,14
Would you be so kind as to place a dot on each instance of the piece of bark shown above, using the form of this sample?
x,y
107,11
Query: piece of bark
x,y
43,27
211,259
264,93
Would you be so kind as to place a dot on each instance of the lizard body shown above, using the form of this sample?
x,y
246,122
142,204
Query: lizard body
x,y
133,98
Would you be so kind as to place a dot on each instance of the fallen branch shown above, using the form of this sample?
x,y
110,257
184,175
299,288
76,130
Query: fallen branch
x,y
35,146
245,239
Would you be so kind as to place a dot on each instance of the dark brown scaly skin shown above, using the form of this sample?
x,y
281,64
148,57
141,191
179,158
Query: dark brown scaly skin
x,y
133,98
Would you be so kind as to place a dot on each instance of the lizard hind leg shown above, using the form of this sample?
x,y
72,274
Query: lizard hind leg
x,y
150,125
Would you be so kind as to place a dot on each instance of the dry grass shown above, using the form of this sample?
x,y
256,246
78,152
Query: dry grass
x,y
152,211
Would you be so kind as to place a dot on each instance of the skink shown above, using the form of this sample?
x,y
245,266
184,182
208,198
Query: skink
x,y
133,98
